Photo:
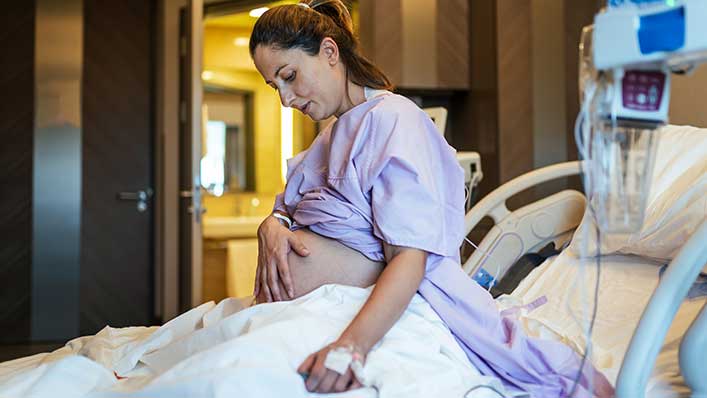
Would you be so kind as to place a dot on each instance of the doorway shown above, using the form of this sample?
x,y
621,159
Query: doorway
x,y
239,180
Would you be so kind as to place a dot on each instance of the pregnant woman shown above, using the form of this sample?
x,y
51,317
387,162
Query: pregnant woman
x,y
378,199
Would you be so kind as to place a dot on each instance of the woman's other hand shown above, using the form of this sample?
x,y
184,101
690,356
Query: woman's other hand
x,y
322,380
275,241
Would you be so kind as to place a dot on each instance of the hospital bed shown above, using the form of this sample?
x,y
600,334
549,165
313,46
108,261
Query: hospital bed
x,y
628,281
642,319
227,349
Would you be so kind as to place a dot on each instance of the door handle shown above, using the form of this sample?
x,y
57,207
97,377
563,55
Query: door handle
x,y
196,207
190,210
142,198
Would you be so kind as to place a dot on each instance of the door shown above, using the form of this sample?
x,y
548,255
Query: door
x,y
191,126
117,217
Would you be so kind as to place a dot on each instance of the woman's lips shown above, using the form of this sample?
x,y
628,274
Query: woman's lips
x,y
306,107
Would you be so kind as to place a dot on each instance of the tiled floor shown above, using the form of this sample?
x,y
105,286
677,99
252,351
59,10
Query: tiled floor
x,y
12,351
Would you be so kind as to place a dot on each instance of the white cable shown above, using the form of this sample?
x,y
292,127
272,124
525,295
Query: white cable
x,y
590,324
477,247
584,136
486,257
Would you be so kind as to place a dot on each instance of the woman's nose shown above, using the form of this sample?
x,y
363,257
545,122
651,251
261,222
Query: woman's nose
x,y
287,97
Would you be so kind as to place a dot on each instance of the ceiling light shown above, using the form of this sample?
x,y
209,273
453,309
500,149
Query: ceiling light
x,y
257,12
240,42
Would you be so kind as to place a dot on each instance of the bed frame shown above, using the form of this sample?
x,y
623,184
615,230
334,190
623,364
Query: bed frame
x,y
529,228
553,219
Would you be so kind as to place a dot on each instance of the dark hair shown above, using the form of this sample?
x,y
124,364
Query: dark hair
x,y
304,27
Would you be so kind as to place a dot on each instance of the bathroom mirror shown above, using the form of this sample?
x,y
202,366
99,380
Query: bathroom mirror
x,y
227,163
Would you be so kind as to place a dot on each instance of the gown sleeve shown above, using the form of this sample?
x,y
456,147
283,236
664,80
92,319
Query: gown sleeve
x,y
280,203
289,196
416,184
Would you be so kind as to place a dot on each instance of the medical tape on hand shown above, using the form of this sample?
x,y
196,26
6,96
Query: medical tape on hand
x,y
339,359
358,371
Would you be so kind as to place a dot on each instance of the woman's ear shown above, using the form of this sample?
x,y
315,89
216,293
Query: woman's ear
x,y
329,51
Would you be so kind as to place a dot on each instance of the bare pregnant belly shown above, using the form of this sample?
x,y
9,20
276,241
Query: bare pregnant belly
x,y
328,262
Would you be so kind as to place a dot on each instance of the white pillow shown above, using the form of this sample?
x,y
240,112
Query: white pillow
x,y
676,204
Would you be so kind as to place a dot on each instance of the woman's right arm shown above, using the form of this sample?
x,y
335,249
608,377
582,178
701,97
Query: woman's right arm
x,y
275,241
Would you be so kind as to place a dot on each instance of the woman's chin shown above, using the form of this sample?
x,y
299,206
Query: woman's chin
x,y
316,118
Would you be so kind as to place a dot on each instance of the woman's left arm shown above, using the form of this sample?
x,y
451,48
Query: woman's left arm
x,y
392,294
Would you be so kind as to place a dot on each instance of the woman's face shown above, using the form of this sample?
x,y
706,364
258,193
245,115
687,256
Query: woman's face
x,y
315,85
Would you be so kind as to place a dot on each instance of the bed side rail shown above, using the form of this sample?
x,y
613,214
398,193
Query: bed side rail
x,y
527,228
656,319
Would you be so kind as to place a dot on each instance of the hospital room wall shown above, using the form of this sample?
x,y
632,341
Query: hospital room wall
x,y
496,113
687,102
522,89
548,58
576,15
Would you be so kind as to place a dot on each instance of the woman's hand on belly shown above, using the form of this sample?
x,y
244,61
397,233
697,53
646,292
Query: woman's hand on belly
x,y
272,277
329,262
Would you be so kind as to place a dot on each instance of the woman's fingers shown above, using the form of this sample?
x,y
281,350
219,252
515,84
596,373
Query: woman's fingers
x,y
306,366
273,279
283,267
343,381
256,285
322,380
297,245
258,270
327,383
284,270
317,372
264,284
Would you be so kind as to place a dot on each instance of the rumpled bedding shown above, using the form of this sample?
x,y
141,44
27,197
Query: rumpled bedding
x,y
231,350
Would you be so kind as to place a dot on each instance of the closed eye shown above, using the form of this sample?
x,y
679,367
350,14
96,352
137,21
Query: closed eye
x,y
291,77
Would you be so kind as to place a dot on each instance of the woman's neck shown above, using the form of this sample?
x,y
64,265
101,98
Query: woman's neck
x,y
356,96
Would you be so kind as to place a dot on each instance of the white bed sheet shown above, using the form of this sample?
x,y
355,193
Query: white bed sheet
x,y
219,351
627,283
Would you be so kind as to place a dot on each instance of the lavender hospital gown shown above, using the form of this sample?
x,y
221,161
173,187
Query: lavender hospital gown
x,y
382,172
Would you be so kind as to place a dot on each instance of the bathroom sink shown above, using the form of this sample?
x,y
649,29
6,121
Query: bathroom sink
x,y
231,227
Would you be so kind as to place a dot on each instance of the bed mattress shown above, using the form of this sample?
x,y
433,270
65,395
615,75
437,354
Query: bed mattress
x,y
627,283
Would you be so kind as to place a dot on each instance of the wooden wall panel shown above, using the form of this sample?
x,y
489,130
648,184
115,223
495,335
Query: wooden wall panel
x,y
474,113
578,13
515,95
452,43
419,44
16,148
388,39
